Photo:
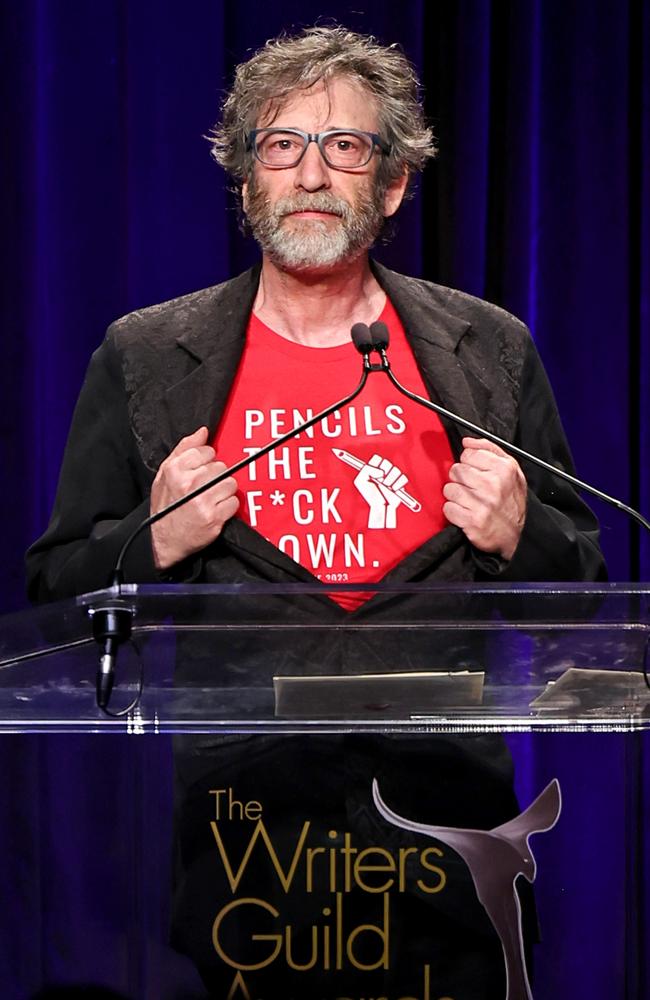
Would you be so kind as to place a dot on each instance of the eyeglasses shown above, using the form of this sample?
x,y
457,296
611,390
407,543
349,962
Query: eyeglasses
x,y
343,149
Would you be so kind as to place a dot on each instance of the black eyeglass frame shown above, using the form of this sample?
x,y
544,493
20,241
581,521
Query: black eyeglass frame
x,y
319,138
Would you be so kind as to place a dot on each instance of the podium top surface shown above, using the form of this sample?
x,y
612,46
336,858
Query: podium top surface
x,y
282,659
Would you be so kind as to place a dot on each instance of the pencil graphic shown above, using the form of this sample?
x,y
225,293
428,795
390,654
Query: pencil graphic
x,y
358,464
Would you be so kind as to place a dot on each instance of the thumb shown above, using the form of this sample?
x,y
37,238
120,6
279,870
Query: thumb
x,y
196,439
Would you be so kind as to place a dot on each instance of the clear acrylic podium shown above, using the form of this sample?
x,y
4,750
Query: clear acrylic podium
x,y
222,662
210,654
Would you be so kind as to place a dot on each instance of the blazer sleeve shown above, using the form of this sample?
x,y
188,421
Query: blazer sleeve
x,y
102,495
559,541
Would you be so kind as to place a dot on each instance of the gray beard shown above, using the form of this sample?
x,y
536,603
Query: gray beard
x,y
301,244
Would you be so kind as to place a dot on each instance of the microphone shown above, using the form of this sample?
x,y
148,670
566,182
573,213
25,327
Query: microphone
x,y
112,621
362,338
380,338
111,627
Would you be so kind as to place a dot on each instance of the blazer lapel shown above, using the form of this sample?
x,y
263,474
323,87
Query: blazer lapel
x,y
212,342
436,336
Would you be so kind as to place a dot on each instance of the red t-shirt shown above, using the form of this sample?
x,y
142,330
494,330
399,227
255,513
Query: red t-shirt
x,y
351,497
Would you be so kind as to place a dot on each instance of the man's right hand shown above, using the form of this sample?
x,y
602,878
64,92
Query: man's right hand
x,y
193,526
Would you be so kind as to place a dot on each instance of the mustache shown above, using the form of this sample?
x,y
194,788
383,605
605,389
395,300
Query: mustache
x,y
320,201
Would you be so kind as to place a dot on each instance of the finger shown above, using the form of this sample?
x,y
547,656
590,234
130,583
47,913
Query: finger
x,y
215,504
195,440
456,515
483,483
228,508
466,475
194,458
220,490
459,495
484,445
487,461
376,461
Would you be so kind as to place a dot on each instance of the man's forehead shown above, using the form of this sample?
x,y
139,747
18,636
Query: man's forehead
x,y
338,97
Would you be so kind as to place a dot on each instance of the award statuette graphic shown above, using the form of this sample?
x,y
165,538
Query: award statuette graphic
x,y
495,859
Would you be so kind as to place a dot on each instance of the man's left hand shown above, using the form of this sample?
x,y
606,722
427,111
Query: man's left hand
x,y
486,497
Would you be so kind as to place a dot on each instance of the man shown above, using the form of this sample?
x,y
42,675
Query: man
x,y
323,133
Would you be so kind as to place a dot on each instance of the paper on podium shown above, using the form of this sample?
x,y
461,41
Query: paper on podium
x,y
389,696
589,690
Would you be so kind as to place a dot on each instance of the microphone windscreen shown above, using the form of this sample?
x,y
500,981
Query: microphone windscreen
x,y
380,336
361,338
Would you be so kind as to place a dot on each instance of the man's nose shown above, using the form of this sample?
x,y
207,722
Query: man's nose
x,y
312,173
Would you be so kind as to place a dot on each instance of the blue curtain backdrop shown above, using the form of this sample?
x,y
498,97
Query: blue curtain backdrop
x,y
539,200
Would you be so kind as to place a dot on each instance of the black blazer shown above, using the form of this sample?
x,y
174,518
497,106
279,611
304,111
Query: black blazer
x,y
162,372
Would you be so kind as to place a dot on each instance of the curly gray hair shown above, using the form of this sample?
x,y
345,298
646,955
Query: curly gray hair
x,y
289,63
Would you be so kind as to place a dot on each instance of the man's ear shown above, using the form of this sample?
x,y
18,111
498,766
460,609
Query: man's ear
x,y
394,194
